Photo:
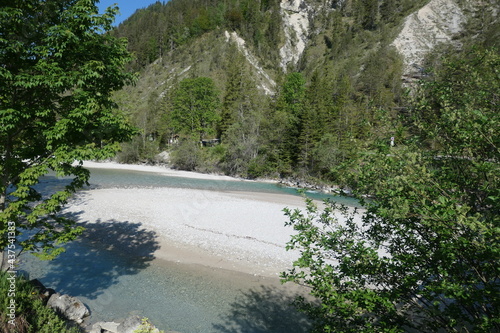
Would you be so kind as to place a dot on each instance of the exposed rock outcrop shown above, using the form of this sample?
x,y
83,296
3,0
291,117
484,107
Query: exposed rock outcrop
x,y
162,158
267,84
104,327
129,325
437,22
295,15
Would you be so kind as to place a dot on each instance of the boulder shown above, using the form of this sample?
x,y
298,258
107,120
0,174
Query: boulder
x,y
104,327
110,326
133,323
130,324
96,328
70,307
48,292
162,158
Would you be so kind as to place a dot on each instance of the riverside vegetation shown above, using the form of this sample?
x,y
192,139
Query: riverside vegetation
x,y
32,314
426,254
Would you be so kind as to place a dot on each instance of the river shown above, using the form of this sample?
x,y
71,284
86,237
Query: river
x,y
174,296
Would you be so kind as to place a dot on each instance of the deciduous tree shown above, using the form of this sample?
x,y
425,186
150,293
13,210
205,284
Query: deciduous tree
x,y
195,104
424,254
58,69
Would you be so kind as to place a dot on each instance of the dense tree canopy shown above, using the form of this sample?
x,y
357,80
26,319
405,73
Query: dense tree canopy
x,y
58,68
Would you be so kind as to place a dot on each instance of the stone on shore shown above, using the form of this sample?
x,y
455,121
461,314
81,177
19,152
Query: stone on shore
x,y
70,307
129,325
104,327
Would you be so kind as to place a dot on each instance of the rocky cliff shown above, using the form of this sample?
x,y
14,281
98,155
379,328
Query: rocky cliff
x,y
437,22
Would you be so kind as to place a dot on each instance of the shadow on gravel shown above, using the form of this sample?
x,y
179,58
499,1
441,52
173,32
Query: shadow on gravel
x,y
95,261
264,310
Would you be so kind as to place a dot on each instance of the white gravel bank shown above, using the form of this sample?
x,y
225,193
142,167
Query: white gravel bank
x,y
155,169
240,231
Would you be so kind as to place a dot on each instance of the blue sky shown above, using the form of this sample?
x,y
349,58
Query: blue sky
x,y
127,7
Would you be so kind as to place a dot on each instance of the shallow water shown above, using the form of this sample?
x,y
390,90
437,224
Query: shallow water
x,y
115,281
118,178
105,178
174,296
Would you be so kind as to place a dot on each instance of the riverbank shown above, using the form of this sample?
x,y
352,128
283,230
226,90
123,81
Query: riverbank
x,y
164,170
238,231
208,257
159,170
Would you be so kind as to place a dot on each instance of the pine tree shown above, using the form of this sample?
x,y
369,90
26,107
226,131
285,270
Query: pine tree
x,y
289,116
366,12
234,90
240,125
315,119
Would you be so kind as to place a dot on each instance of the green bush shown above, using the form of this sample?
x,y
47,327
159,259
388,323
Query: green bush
x,y
423,254
210,159
186,155
129,152
32,316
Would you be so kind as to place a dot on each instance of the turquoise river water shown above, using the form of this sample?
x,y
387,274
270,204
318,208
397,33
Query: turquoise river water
x,y
174,296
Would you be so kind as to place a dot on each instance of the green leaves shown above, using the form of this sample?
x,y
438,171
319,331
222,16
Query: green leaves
x,y
32,315
195,103
58,71
339,266
424,253
462,103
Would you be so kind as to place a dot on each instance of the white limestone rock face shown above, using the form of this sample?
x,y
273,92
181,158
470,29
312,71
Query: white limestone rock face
x,y
266,83
437,22
295,15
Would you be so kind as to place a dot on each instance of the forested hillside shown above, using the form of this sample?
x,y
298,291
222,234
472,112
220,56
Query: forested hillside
x,y
279,88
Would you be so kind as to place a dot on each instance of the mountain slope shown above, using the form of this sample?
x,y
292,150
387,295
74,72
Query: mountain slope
x,y
350,56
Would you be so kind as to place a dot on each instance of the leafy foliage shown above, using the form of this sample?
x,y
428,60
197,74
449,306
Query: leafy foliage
x,y
58,70
424,254
194,107
457,113
147,327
